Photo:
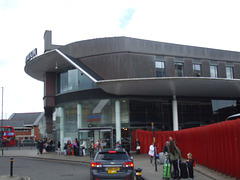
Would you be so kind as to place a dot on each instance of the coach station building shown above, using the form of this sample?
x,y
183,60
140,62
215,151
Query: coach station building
x,y
108,87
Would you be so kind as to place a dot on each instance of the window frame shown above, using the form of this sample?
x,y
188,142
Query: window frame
x,y
197,73
231,72
179,72
160,70
213,71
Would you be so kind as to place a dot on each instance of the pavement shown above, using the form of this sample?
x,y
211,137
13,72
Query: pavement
x,y
140,161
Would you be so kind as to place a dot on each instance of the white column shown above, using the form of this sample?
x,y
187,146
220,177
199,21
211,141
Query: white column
x,y
79,116
175,113
61,113
118,122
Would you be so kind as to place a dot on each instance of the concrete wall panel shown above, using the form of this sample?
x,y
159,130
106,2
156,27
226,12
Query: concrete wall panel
x,y
221,69
205,68
188,67
170,69
122,65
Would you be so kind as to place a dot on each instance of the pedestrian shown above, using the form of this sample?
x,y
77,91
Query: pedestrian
x,y
103,144
166,148
69,148
51,145
65,149
75,148
99,147
83,145
38,147
175,157
59,147
151,152
190,163
41,146
137,146
78,144
91,148
118,145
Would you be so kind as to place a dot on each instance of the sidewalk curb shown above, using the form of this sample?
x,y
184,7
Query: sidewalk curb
x,y
7,177
50,158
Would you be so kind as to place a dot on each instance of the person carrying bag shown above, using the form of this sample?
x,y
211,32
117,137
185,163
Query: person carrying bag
x,y
175,157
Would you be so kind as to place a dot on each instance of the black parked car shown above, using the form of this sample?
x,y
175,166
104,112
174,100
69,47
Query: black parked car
x,y
112,164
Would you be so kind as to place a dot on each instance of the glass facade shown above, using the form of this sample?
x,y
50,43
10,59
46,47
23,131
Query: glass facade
x,y
72,80
191,112
90,113
139,113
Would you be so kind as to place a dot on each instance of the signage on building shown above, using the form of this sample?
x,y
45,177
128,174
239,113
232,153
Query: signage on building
x,y
93,118
31,55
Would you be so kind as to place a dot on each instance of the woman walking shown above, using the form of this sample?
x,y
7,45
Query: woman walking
x,y
151,152
175,157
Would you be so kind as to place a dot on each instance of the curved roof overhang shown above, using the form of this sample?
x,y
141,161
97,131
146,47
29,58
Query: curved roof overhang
x,y
175,86
55,60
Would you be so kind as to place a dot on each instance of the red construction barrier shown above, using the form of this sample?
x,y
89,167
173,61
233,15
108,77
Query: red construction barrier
x,y
216,146
237,143
230,157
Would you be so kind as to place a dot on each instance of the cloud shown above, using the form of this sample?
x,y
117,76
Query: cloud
x,y
126,17
6,5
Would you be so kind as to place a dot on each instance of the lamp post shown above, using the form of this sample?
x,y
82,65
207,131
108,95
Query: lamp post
x,y
2,121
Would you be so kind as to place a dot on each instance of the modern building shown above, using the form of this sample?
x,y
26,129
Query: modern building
x,y
108,87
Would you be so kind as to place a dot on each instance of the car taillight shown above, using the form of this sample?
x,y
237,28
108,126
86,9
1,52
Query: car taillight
x,y
128,164
112,151
95,164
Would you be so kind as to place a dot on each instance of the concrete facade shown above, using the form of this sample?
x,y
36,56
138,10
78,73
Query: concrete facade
x,y
123,67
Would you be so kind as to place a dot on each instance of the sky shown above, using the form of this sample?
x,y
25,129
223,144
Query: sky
x,y
204,23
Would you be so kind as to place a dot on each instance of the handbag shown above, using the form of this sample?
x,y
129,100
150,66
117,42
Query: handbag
x,y
44,151
138,148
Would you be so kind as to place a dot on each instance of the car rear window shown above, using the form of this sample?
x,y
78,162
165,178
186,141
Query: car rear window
x,y
112,156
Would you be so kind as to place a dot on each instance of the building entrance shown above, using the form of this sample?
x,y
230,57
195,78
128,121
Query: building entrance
x,y
104,134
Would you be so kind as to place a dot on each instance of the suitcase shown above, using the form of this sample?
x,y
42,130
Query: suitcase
x,y
166,170
162,158
184,171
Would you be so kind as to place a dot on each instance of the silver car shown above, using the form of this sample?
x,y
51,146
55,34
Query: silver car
x,y
112,164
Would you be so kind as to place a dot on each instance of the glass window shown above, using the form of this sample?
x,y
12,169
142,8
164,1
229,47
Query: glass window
x,y
229,72
213,71
179,69
63,82
160,68
84,82
74,79
196,70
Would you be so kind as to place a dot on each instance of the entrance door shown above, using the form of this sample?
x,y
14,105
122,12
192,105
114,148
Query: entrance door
x,y
105,134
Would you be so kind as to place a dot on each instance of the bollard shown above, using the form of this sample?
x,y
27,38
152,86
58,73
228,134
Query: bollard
x,y
2,151
11,167
138,174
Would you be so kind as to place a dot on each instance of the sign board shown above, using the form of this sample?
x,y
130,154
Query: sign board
x,y
31,55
